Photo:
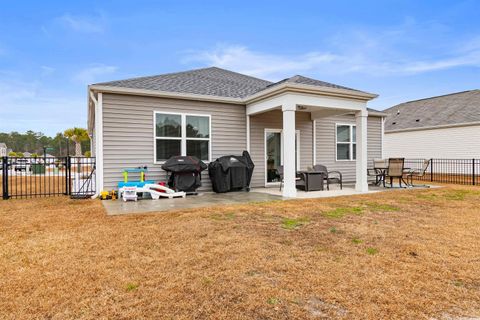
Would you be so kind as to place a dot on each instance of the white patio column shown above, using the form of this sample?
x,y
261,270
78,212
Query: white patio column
x,y
361,168
289,170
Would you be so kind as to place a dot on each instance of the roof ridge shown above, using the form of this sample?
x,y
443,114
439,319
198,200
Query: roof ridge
x,y
154,75
429,98
182,72
237,73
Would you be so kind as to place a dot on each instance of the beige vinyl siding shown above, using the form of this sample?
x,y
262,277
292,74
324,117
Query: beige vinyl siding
x,y
453,143
128,127
274,120
326,143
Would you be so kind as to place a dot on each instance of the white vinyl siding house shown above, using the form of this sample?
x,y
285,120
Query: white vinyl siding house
x,y
445,127
3,149
460,142
134,127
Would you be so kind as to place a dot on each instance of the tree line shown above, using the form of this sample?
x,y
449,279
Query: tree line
x,y
74,141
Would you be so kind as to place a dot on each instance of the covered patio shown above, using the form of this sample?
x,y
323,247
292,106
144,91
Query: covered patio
x,y
318,103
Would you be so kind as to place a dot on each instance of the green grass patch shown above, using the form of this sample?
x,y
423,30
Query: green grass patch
x,y
294,223
427,196
207,280
273,301
458,283
333,230
382,207
222,217
342,211
356,241
131,286
372,251
458,195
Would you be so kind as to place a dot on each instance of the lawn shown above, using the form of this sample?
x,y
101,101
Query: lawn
x,y
403,254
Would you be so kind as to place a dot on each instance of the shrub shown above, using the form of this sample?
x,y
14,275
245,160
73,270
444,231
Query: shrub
x,y
88,153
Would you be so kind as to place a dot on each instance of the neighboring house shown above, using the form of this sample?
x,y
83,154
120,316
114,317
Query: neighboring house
x,y
213,112
446,126
27,154
3,149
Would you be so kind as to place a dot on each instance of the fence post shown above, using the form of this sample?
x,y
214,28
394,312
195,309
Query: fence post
x,y
67,175
473,171
4,178
431,169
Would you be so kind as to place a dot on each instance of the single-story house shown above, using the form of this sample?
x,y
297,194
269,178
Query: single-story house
x,y
211,112
3,149
446,127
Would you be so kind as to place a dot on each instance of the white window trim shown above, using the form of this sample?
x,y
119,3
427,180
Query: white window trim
x,y
297,137
351,143
183,138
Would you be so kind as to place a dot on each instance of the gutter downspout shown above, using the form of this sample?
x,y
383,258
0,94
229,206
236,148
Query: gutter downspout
x,y
96,125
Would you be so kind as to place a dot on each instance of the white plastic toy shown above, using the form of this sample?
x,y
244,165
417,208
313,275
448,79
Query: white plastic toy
x,y
129,193
155,190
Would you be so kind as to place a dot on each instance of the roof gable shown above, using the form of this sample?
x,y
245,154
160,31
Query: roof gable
x,y
212,81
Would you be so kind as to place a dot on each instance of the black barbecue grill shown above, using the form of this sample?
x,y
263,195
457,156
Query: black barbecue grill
x,y
231,173
184,173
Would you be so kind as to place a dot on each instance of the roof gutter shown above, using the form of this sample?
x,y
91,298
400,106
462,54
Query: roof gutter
x,y
278,89
446,126
164,94
309,89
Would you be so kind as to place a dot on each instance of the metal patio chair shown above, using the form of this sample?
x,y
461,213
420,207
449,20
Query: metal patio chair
x,y
330,176
418,173
378,171
396,169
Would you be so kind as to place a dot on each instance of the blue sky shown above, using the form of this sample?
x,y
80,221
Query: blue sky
x,y
401,50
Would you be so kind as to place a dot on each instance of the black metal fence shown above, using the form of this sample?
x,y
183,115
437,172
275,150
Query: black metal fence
x,y
455,171
27,177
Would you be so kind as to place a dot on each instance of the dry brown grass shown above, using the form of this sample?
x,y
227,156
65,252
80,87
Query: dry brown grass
x,y
409,254
28,185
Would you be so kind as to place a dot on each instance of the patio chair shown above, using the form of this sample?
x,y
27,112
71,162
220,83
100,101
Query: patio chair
x,y
378,171
395,170
418,173
330,176
300,179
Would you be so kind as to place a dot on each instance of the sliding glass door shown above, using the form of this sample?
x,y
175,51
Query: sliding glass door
x,y
274,154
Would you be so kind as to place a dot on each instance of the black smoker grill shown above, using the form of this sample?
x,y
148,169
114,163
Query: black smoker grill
x,y
231,173
184,173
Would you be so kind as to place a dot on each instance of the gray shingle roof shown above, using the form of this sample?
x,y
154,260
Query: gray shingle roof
x,y
450,109
211,81
313,82
208,81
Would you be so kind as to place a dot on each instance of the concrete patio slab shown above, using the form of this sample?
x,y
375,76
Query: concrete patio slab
x,y
209,199
203,199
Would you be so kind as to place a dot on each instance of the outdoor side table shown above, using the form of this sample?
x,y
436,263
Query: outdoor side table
x,y
313,180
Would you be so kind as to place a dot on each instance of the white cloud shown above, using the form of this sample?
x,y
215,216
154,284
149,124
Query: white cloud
x,y
92,73
46,70
259,64
40,109
405,49
85,24
275,66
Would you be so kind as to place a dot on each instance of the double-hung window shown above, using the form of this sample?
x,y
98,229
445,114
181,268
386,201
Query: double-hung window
x,y
182,135
346,136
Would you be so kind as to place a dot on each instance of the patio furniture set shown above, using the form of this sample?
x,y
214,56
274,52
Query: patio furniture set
x,y
314,178
385,172
394,168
